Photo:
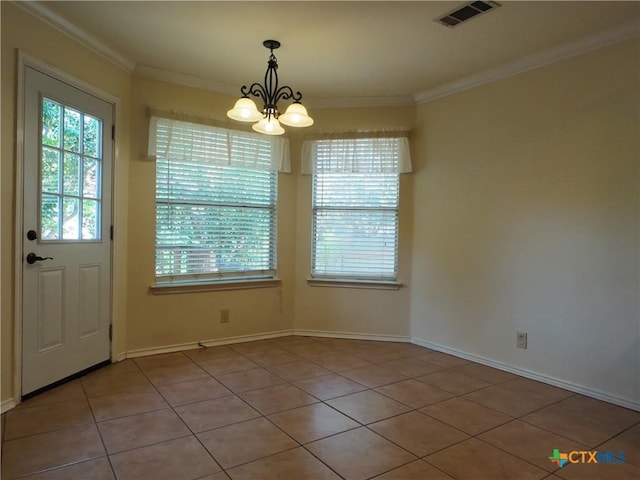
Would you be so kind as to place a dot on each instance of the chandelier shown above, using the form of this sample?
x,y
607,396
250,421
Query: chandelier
x,y
268,121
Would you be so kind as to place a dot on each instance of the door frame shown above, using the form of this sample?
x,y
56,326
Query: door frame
x,y
25,60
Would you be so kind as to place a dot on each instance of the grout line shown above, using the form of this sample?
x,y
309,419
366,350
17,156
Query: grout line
x,y
60,429
320,460
618,434
106,454
299,445
515,455
193,434
58,467
260,458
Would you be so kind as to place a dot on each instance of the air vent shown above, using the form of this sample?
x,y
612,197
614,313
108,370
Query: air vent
x,y
466,12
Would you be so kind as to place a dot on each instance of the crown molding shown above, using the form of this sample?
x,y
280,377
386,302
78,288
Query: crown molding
x,y
608,37
184,79
40,11
360,102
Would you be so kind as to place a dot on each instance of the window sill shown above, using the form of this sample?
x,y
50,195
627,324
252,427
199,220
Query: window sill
x,y
194,287
338,283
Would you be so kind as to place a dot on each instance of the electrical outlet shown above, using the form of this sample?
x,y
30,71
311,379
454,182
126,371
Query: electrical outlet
x,y
521,340
224,316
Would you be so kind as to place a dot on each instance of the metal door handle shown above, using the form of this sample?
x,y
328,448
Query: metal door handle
x,y
33,258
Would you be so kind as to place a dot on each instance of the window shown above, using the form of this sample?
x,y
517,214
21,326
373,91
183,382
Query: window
x,y
355,207
71,174
216,196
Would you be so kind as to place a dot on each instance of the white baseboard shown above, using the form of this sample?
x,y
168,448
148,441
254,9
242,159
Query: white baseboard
x,y
143,352
10,403
7,405
349,335
556,382
119,357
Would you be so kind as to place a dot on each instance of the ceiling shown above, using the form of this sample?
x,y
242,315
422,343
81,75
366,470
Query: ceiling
x,y
340,50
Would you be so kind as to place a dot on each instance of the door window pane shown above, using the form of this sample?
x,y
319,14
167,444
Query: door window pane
x,y
71,221
91,137
72,130
50,217
90,179
90,219
51,112
71,174
50,173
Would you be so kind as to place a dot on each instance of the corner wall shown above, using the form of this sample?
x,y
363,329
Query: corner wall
x,y
526,219
158,321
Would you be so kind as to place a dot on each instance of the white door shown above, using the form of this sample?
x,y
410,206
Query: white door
x,y
66,239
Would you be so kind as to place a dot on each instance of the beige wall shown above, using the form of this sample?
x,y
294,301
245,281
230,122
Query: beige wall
x,y
528,221
22,31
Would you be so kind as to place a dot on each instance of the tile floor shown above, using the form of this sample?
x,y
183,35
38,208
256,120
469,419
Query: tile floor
x,y
311,408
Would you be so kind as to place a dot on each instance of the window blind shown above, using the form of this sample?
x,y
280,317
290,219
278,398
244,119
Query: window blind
x,y
215,205
355,209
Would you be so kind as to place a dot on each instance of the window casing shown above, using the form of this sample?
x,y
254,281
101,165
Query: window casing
x,y
216,199
355,203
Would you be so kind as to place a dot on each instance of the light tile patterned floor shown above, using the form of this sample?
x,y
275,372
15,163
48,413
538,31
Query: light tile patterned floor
x,y
311,408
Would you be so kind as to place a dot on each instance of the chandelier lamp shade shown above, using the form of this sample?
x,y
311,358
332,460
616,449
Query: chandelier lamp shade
x,y
269,119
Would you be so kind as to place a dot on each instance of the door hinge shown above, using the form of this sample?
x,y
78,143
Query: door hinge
x,y
113,132
111,232
110,332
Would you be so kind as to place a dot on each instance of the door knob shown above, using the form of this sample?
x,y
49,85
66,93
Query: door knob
x,y
33,258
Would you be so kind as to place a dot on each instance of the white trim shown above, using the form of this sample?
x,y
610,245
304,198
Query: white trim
x,y
178,347
61,75
25,60
7,405
352,336
119,357
361,102
117,193
194,287
342,283
18,227
42,12
194,81
605,38
556,382
185,79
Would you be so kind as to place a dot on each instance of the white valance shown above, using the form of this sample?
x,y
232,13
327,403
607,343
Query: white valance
x,y
184,141
356,155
